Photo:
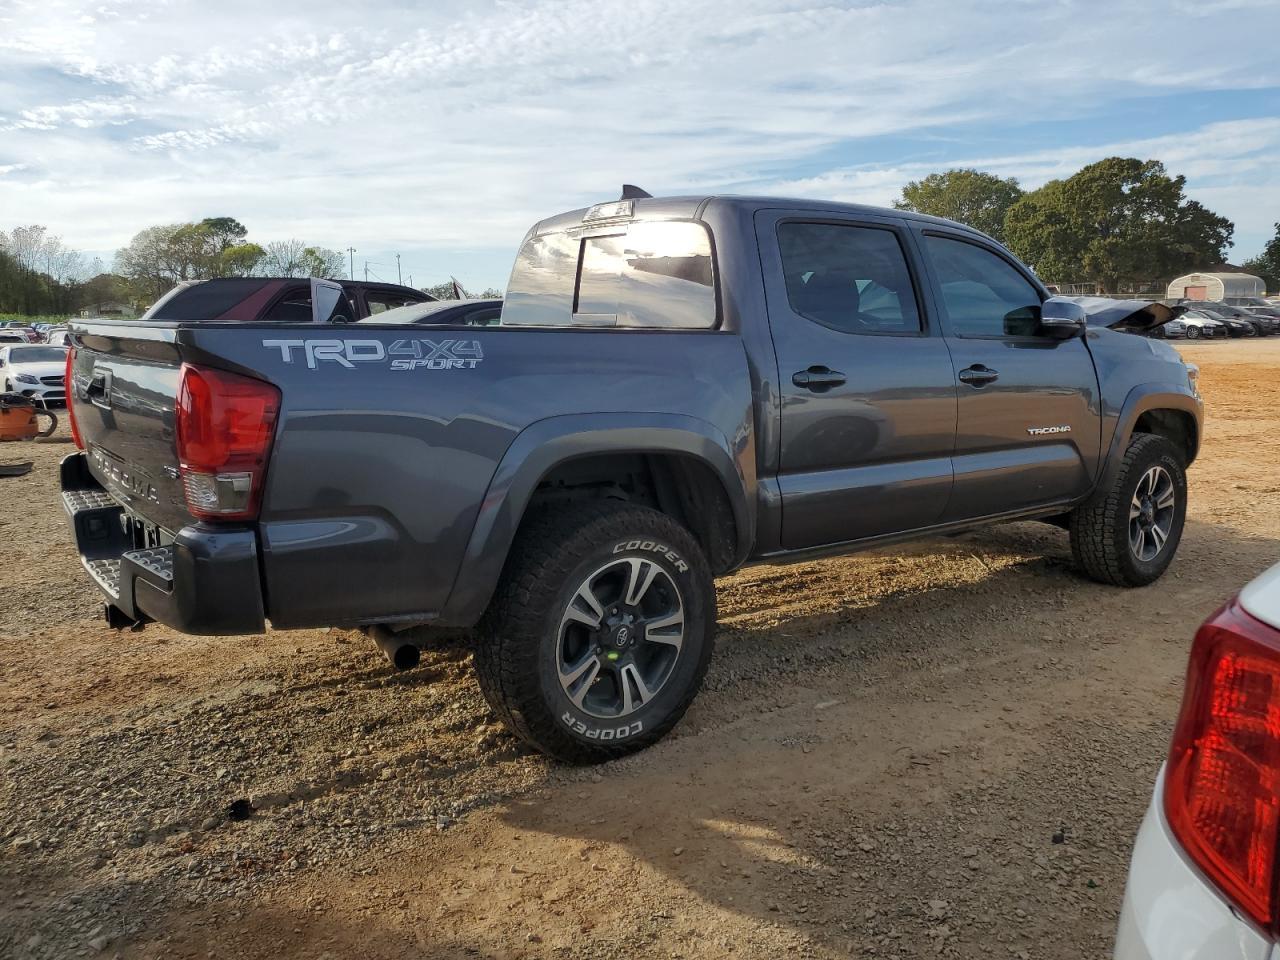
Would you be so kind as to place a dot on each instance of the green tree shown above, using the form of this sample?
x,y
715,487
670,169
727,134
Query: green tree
x,y
323,262
39,274
293,258
1267,264
441,291
971,197
1120,219
158,257
223,232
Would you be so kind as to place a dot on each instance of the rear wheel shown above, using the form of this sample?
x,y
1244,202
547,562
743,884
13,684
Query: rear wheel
x,y
1128,533
601,630
1193,333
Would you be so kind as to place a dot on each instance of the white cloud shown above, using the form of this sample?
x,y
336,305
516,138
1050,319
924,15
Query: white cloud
x,y
1230,166
447,128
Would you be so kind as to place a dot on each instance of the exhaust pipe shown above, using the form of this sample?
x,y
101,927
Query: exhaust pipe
x,y
402,654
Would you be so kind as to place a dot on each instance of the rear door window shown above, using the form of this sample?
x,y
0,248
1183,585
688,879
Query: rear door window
x,y
849,277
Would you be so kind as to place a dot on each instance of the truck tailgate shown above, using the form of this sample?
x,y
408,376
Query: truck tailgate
x,y
123,393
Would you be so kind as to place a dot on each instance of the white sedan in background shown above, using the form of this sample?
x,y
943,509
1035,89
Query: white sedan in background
x,y
1203,879
1194,325
34,371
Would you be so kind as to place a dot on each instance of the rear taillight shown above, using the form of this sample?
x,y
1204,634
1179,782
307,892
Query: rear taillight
x,y
224,430
1222,783
68,391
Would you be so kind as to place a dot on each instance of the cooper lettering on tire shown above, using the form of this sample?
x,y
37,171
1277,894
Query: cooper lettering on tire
x,y
601,630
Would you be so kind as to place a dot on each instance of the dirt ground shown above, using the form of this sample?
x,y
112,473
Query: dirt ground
x,y
939,750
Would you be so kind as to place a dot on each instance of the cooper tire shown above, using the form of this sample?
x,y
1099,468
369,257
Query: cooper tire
x,y
585,693
1127,534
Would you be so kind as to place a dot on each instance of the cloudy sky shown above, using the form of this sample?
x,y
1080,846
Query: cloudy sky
x,y
441,130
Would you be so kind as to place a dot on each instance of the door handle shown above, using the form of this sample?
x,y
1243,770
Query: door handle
x,y
818,378
978,375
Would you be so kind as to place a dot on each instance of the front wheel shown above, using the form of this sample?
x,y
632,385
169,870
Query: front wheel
x,y
601,630
1193,333
1128,532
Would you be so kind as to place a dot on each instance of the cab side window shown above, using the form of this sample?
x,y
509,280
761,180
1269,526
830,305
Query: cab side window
x,y
382,302
983,295
293,307
851,278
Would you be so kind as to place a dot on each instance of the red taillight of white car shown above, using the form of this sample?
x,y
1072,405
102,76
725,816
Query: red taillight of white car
x,y
68,389
225,425
1222,782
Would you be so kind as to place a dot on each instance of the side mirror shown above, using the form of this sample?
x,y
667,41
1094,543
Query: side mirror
x,y
1062,319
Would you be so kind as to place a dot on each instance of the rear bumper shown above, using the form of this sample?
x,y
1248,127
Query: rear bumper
x,y
206,581
1170,911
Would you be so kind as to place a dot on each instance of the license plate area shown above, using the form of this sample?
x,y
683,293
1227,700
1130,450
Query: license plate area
x,y
142,534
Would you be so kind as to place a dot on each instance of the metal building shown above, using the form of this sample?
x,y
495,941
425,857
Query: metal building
x,y
1216,286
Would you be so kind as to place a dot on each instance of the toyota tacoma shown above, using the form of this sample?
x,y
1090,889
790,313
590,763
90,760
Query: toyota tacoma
x,y
676,388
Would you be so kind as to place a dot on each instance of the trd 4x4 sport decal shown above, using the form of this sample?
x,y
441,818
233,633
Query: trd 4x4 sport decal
x,y
398,355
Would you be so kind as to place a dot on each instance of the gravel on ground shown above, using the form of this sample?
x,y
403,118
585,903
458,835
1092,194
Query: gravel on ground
x,y
939,750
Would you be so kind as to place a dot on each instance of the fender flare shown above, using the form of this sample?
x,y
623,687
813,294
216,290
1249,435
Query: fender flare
x,y
544,445
1141,399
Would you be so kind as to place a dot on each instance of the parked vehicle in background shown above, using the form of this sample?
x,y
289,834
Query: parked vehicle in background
x,y
275,300
484,312
1203,878
1269,315
1249,301
11,335
58,337
1235,327
35,371
1194,325
1226,310
677,387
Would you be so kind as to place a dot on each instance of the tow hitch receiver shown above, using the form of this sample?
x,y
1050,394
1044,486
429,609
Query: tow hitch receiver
x,y
117,619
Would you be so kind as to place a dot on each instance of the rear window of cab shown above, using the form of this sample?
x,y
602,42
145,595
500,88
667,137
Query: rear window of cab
x,y
656,274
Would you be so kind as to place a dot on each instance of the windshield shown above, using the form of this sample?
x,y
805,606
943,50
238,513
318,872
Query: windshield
x,y
38,355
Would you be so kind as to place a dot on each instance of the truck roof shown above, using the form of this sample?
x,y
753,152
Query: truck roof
x,y
690,207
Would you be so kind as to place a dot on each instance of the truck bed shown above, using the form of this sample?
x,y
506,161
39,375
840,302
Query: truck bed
x,y
388,446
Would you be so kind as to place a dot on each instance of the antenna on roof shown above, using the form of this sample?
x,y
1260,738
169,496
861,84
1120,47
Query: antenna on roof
x,y
631,192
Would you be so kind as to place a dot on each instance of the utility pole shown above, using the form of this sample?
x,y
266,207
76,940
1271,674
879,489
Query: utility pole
x,y
399,279
352,272
366,271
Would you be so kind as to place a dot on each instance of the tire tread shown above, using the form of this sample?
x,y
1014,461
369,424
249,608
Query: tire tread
x,y
550,543
1094,527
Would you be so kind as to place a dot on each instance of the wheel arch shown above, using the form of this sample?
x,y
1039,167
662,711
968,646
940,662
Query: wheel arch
x,y
1154,408
697,476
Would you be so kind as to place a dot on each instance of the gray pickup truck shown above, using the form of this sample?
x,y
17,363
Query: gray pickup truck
x,y
677,387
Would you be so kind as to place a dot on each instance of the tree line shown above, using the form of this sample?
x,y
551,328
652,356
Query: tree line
x,y
1120,221
41,275
1115,222
159,257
